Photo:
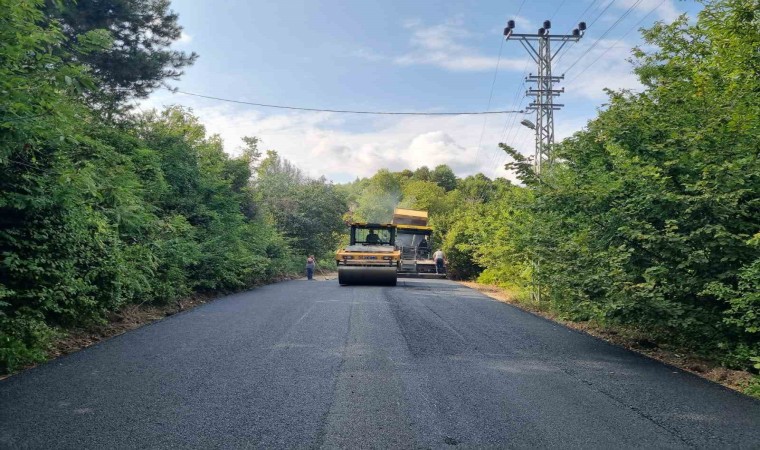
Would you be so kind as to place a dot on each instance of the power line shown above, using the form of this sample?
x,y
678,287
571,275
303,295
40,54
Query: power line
x,y
510,135
613,44
490,97
572,45
349,111
557,10
601,13
583,14
520,8
596,42
510,121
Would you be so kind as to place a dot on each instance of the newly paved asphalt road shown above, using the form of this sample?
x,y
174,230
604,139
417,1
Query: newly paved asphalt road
x,y
426,364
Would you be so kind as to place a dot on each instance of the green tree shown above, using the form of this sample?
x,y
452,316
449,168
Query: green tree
x,y
140,58
379,196
308,211
476,188
444,177
49,237
422,174
96,214
424,195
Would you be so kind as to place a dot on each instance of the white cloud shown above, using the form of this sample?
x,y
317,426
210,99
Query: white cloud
x,y
184,39
440,147
524,25
666,10
319,144
604,66
443,45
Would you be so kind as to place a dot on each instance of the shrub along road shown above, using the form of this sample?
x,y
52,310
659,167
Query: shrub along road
x,y
311,364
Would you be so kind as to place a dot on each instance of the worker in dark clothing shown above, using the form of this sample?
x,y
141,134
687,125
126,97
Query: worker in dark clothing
x,y
423,249
372,238
311,263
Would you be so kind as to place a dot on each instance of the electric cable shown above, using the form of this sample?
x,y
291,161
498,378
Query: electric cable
x,y
573,44
511,120
490,97
613,44
596,42
520,8
348,111
601,13
585,11
557,10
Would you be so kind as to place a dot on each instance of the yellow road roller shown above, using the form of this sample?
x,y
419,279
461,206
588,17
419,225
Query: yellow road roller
x,y
371,257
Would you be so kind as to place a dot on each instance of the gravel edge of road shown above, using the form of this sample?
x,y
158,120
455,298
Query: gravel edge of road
x,y
735,380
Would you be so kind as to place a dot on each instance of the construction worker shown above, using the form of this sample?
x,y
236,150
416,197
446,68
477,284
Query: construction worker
x,y
372,238
440,259
423,248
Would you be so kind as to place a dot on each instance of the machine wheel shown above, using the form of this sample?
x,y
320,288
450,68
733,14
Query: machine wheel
x,y
360,275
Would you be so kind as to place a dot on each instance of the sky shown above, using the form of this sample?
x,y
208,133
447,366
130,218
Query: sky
x,y
396,55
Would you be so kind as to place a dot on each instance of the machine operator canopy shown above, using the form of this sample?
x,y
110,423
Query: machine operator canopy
x,y
373,234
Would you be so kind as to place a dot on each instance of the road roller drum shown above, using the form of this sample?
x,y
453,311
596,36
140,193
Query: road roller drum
x,y
362,275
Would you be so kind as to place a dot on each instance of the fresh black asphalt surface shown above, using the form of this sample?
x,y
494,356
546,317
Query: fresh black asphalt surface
x,y
426,364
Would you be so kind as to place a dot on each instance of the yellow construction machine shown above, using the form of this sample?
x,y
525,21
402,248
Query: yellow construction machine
x,y
413,240
371,256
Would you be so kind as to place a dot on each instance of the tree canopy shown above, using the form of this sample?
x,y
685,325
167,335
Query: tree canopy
x,y
138,58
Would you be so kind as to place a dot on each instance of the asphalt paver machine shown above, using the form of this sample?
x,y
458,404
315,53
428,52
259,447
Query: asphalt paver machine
x,y
413,240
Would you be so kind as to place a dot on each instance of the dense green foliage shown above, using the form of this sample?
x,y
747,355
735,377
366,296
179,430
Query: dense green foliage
x,y
308,212
651,216
97,214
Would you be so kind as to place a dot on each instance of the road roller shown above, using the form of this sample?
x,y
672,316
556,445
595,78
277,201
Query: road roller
x,y
371,258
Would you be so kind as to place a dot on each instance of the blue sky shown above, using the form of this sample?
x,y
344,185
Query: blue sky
x,y
391,55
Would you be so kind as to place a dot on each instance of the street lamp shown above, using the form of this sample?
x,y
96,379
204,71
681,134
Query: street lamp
x,y
528,123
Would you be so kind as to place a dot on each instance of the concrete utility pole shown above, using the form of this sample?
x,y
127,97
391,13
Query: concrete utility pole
x,y
544,92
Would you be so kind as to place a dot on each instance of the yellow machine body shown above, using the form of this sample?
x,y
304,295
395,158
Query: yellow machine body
x,y
414,242
369,260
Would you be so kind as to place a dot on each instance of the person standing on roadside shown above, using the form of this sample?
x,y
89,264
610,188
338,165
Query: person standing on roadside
x,y
439,260
311,263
